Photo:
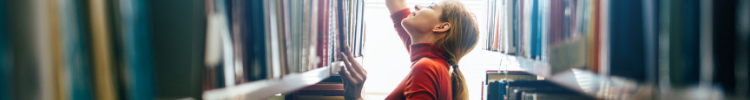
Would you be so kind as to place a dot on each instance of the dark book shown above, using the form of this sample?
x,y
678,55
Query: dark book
x,y
5,50
137,44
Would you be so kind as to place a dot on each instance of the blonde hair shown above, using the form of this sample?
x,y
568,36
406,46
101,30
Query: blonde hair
x,y
458,41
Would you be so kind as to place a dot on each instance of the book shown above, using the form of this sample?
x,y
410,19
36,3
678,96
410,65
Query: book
x,y
274,36
297,36
102,56
322,35
178,37
5,51
261,39
59,89
137,46
75,42
360,28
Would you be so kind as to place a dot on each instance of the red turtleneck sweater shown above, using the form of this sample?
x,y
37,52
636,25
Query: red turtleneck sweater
x,y
429,78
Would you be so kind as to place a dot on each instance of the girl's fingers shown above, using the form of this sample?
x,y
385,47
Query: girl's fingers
x,y
345,76
354,74
348,55
346,49
350,77
356,66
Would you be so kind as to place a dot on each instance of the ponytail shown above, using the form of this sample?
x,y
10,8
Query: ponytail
x,y
458,84
459,40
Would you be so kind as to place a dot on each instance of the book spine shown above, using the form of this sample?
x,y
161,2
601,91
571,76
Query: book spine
x,y
236,13
76,51
361,29
5,56
356,31
322,36
288,33
105,85
305,33
281,23
137,44
274,38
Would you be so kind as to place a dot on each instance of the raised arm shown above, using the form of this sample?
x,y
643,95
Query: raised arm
x,y
399,11
395,5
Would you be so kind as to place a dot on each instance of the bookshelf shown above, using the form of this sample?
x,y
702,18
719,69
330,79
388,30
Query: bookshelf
x,y
270,87
171,49
258,49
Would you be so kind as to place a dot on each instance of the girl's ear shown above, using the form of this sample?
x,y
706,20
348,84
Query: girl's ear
x,y
442,27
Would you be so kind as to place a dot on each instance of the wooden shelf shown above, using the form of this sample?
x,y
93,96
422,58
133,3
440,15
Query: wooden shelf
x,y
269,87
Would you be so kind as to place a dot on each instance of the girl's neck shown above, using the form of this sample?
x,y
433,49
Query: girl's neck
x,y
424,38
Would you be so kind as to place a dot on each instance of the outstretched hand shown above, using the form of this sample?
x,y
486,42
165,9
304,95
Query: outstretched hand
x,y
353,75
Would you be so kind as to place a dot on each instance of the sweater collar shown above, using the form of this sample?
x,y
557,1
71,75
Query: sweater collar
x,y
429,50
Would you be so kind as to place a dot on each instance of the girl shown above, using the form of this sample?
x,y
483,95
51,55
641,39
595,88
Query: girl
x,y
436,36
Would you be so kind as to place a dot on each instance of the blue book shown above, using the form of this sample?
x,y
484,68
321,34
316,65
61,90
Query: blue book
x,y
77,51
626,48
255,40
536,29
137,49
5,71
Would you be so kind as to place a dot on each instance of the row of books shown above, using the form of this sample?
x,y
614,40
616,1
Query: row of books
x,y
517,85
562,32
518,27
91,49
686,41
101,49
65,51
267,39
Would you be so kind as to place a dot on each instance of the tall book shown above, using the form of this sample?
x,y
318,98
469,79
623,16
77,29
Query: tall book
x,y
283,31
102,68
322,34
137,45
236,19
5,56
60,87
333,31
76,50
273,68
256,38
178,39
343,20
305,33
291,33
358,27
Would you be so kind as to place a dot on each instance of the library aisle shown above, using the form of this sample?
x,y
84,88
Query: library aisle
x,y
287,49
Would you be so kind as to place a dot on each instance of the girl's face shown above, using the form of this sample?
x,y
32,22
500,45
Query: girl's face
x,y
423,19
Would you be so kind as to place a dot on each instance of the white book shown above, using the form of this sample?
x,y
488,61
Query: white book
x,y
271,25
